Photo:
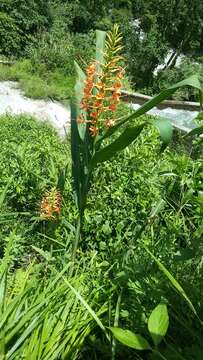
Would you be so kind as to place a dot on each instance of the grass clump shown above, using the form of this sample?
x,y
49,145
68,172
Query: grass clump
x,y
40,83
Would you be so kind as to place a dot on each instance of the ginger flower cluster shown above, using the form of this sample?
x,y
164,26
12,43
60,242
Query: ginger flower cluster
x,y
50,205
102,90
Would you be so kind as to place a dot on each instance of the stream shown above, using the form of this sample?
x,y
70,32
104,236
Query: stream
x,y
13,101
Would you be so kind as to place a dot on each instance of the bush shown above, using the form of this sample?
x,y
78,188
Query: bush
x,y
19,23
10,35
56,51
30,159
39,83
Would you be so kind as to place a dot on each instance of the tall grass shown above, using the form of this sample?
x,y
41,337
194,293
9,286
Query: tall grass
x,y
43,312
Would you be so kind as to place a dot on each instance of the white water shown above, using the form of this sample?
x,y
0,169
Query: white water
x,y
183,119
13,101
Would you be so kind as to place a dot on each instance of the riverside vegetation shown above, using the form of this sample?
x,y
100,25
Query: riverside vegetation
x,y
100,259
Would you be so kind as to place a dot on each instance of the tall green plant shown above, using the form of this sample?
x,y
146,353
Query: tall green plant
x,y
96,135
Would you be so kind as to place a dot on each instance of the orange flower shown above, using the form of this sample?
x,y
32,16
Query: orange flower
x,y
83,105
51,204
117,85
99,85
81,119
94,130
116,96
120,75
109,123
112,107
94,114
97,104
100,96
91,69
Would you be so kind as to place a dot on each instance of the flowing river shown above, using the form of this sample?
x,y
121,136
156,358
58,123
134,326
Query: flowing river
x,y
13,101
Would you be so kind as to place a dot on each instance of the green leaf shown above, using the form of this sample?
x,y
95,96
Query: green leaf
x,y
165,129
197,131
100,47
125,139
192,81
79,89
173,281
128,338
129,135
158,323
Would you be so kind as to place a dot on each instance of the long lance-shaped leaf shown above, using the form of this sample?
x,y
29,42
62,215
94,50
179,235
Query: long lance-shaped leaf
x,y
77,169
125,139
192,81
173,282
197,131
129,135
79,90
100,47
87,306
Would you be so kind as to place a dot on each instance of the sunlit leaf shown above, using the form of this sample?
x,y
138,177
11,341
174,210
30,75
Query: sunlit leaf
x,y
128,338
158,323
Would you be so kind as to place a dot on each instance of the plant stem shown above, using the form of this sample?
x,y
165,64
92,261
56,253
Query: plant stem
x,y
77,237
159,354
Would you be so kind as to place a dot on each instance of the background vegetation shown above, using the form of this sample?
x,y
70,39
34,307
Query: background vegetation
x,y
50,34
52,307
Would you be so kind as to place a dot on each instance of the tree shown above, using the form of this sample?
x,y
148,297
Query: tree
x,y
25,19
179,22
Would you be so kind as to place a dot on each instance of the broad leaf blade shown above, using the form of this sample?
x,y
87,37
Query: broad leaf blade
x,y
158,323
130,134
165,129
77,168
192,81
128,338
125,139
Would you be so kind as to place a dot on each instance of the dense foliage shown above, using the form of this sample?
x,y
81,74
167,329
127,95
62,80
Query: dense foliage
x,y
52,33
132,286
141,198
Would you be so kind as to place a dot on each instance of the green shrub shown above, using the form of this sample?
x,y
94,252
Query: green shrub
x,y
31,155
20,21
10,35
38,83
